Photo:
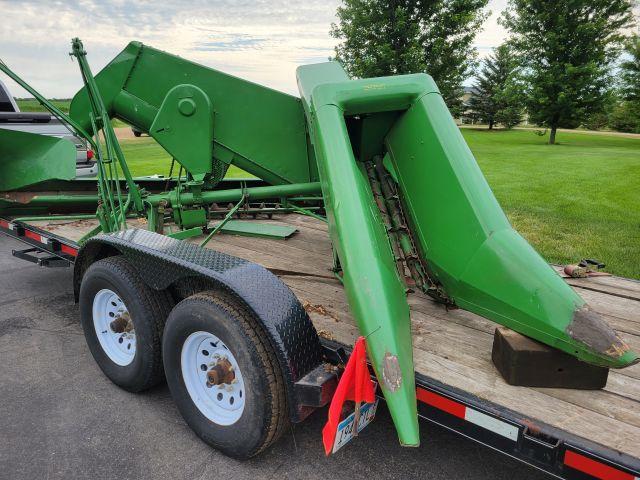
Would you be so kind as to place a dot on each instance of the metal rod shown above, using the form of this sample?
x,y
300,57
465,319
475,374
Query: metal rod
x,y
306,212
223,222
93,92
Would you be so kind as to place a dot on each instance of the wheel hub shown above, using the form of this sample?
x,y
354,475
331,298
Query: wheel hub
x,y
221,373
213,378
114,327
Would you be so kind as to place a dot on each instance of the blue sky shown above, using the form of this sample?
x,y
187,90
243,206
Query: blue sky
x,y
263,41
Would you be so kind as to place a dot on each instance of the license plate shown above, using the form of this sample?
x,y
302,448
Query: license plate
x,y
347,426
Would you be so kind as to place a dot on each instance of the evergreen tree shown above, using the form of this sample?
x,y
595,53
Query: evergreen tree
x,y
625,116
497,95
389,37
567,47
630,70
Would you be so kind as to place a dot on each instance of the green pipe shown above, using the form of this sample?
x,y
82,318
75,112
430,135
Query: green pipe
x,y
307,212
235,194
98,107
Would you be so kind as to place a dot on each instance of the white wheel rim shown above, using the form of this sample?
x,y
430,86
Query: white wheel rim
x,y
222,404
119,347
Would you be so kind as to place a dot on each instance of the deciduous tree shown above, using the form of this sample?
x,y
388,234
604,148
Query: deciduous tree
x,y
567,47
388,37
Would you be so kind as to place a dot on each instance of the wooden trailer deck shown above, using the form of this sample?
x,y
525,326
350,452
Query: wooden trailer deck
x,y
453,347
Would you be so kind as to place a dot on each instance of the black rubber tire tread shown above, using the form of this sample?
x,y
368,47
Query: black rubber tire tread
x,y
157,305
276,396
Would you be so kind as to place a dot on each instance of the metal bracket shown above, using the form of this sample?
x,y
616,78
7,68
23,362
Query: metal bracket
x,y
50,261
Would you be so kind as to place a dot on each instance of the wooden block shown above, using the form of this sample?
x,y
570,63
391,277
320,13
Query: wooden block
x,y
525,362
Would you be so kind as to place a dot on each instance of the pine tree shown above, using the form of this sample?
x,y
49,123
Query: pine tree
x,y
625,116
497,95
630,70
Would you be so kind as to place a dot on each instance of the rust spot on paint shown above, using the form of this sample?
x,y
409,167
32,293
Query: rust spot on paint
x,y
391,373
589,328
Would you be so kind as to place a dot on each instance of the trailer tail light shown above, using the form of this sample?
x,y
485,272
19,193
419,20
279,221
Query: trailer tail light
x,y
89,154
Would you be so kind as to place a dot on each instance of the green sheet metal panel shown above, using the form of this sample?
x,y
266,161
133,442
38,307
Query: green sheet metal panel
x,y
28,159
468,243
257,229
263,128
375,292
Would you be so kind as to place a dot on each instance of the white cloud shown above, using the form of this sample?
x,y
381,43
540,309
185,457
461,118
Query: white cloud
x,y
260,40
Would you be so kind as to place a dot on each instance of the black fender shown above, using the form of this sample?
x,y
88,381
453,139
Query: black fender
x,y
164,262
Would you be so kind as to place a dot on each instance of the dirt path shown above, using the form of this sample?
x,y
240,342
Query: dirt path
x,y
124,133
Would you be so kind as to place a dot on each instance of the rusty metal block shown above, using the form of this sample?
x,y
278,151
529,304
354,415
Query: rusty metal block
x,y
525,362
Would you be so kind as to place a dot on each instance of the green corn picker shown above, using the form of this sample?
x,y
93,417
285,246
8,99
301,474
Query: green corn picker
x,y
381,160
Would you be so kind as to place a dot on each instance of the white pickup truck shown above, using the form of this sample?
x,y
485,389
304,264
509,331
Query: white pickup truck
x,y
43,123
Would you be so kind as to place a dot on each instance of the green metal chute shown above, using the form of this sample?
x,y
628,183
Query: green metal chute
x,y
27,159
484,265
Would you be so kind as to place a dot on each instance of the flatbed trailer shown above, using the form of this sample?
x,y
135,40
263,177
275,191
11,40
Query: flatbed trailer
x,y
571,434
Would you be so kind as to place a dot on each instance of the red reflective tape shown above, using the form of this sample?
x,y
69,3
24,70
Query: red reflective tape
x,y
4,224
594,468
441,403
33,236
69,250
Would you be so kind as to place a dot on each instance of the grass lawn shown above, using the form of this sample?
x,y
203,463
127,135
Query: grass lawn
x,y
145,157
578,199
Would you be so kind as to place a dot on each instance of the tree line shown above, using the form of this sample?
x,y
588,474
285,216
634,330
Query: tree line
x,y
564,63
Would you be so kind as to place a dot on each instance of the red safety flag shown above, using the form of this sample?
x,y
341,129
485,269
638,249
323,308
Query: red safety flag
x,y
356,385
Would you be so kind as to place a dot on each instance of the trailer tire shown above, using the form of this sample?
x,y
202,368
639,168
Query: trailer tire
x,y
217,322
112,285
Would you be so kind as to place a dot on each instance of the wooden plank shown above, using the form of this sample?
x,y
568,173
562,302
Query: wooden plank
x,y
429,317
613,285
268,260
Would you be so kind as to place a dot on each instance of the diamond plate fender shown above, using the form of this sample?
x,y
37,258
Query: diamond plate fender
x,y
164,262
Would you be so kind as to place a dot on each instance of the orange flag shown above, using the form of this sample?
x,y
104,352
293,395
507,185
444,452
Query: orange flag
x,y
356,385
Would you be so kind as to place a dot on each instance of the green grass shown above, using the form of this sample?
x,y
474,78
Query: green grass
x,y
32,105
145,157
578,199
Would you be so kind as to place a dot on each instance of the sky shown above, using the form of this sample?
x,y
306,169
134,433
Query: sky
x,y
260,40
